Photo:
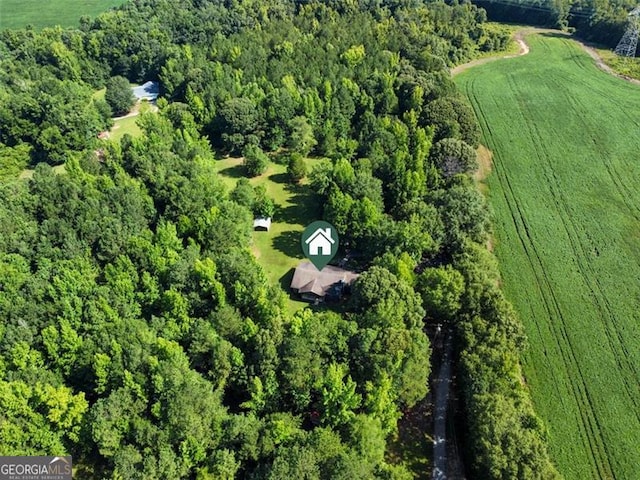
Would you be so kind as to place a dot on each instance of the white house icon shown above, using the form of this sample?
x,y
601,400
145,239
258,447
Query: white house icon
x,y
320,240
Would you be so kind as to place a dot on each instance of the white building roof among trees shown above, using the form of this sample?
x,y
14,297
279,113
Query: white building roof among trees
x,y
262,223
147,91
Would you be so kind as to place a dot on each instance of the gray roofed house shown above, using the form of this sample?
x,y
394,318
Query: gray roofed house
x,y
316,285
147,91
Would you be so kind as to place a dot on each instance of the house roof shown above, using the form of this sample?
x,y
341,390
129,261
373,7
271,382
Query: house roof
x,y
322,233
308,279
147,91
262,222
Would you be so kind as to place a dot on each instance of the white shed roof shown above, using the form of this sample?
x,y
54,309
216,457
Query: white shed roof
x,y
262,222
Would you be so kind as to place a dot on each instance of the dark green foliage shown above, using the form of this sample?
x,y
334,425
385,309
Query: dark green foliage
x,y
391,314
505,437
243,193
453,156
463,212
603,22
453,117
240,121
255,161
54,117
297,168
119,95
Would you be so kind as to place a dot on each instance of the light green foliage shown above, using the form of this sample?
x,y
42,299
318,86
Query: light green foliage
x,y
206,272
339,397
38,418
380,403
354,55
402,267
13,160
263,206
626,66
565,209
302,139
441,289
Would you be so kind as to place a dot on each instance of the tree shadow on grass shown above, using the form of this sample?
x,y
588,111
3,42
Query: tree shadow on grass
x,y
555,35
285,282
237,171
281,178
288,243
305,206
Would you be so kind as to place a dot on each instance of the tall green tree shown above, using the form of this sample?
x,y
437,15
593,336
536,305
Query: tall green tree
x,y
119,95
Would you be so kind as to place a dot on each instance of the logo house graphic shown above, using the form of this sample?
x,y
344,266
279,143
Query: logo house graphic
x,y
319,243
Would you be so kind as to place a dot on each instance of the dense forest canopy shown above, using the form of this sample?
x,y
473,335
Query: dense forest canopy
x,y
139,333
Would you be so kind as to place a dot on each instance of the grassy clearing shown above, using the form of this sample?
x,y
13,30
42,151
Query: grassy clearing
x,y
20,13
123,126
278,250
28,172
567,234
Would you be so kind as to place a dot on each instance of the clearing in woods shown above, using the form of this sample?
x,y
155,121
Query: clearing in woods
x,y
566,167
278,250
20,13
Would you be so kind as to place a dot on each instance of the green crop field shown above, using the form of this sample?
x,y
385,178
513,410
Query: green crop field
x,y
566,204
19,13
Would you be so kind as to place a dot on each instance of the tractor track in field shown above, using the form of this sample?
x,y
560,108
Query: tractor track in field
x,y
542,283
592,433
625,190
588,273
520,35
577,384
580,244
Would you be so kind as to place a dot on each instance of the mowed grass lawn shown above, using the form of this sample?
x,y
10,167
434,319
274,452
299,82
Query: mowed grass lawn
x,y
564,192
48,13
123,126
278,250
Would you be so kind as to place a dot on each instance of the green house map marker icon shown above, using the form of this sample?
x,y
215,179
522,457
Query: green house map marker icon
x,y
320,243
